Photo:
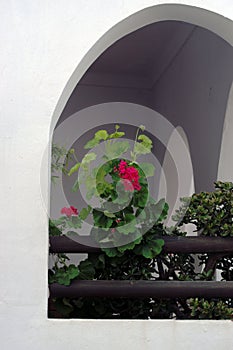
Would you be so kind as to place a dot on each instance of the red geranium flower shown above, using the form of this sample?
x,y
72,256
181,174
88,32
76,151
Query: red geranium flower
x,y
71,211
131,174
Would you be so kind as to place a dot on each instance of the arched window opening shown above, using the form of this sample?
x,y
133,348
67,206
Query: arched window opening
x,y
173,69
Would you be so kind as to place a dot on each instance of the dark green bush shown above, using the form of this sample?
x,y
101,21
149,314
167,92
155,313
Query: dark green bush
x,y
143,258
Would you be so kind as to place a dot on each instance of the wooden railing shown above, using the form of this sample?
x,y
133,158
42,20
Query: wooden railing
x,y
216,246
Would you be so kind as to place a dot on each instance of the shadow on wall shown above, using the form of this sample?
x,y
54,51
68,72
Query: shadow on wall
x,y
177,183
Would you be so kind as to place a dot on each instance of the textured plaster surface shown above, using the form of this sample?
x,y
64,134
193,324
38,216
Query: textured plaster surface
x,y
43,48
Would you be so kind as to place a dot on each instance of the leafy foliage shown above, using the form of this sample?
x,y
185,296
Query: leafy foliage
x,y
210,212
60,161
53,229
128,226
215,309
63,275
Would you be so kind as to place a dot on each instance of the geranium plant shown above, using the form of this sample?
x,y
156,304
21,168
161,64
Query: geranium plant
x,y
126,208
127,223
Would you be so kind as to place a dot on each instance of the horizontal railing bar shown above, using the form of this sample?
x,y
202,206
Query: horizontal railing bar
x,y
63,244
85,244
143,289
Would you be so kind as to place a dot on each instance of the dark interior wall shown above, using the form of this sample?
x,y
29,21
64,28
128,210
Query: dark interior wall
x,y
86,95
193,93
181,71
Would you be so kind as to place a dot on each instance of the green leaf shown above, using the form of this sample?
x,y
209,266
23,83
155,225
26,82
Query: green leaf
x,y
97,233
62,278
145,140
97,216
72,235
109,215
90,193
63,307
147,252
87,271
127,228
110,252
101,258
74,222
125,247
90,186
53,230
150,248
148,169
129,217
74,169
142,127
51,277
105,240
101,135
89,157
116,135
142,198
116,149
164,211
75,186
159,210
101,220
140,148
72,271
85,212
158,246
91,144
142,214
62,220
122,198
144,146
102,186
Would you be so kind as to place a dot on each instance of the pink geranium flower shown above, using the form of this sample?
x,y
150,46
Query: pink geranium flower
x,y
130,174
71,211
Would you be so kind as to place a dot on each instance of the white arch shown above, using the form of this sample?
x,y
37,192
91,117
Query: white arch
x,y
225,167
194,15
176,190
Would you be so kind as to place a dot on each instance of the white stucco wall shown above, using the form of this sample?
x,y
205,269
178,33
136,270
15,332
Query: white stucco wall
x,y
42,44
